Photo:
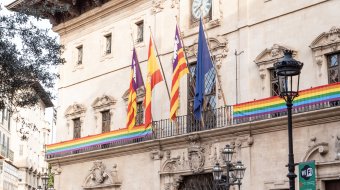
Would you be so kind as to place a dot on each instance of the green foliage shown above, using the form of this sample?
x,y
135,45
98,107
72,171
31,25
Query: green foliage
x,y
28,54
50,182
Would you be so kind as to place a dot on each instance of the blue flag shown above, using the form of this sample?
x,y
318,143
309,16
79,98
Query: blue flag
x,y
204,64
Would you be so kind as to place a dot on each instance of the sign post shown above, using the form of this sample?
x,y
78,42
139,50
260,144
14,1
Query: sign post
x,y
307,175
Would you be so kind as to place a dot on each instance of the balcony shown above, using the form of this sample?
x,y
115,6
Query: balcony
x,y
6,153
322,97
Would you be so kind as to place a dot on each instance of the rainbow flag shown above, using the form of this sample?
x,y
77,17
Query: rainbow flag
x,y
275,104
100,139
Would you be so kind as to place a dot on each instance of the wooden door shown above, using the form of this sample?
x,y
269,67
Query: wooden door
x,y
332,185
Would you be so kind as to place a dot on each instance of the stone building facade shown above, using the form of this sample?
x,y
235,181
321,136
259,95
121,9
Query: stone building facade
x,y
246,37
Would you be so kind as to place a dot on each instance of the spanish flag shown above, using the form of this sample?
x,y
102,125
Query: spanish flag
x,y
154,77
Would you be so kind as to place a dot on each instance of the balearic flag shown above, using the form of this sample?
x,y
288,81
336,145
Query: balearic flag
x,y
154,76
204,64
135,83
179,70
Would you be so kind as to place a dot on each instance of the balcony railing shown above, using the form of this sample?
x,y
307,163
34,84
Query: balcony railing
x,y
6,153
309,100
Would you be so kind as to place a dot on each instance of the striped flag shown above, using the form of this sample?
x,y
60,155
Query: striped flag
x,y
179,70
135,83
153,78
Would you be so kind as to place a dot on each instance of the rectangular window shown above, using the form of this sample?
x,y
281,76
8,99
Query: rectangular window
x,y
209,112
140,31
108,44
140,114
76,128
274,83
80,55
106,120
334,68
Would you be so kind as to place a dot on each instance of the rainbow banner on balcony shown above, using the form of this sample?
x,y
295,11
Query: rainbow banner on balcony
x,y
112,137
312,96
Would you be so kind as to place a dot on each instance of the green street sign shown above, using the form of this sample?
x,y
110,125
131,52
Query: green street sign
x,y
307,175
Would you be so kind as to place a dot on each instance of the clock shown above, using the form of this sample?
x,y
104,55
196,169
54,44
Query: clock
x,y
200,8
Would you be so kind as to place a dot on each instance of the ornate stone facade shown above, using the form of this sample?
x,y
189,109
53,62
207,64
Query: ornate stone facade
x,y
260,30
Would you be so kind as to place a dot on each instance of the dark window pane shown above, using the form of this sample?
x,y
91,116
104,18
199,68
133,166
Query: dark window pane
x,y
274,83
76,128
106,120
80,55
334,60
140,114
333,68
108,43
140,31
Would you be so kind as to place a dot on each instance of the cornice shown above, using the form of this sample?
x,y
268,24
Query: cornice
x,y
226,133
96,14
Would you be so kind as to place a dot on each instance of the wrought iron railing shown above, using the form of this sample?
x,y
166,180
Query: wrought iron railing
x,y
215,118
309,100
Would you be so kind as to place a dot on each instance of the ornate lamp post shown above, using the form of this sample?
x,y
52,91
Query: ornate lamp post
x,y
288,71
234,171
44,179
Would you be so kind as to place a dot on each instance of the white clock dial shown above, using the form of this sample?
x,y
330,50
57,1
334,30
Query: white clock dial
x,y
200,8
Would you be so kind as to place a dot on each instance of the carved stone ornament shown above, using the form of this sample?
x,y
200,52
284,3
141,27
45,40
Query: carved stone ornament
x,y
326,43
268,57
103,102
218,47
157,6
75,110
322,148
337,148
196,155
99,177
156,154
140,94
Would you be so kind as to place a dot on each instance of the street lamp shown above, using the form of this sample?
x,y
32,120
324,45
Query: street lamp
x,y
234,171
288,71
44,179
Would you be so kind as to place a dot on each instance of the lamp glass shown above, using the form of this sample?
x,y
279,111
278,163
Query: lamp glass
x,y
217,172
239,170
227,153
288,71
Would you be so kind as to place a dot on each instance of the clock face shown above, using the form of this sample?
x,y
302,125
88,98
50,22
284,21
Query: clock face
x,y
200,8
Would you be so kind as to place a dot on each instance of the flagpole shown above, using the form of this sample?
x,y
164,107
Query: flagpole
x,y
213,60
133,48
160,63
190,75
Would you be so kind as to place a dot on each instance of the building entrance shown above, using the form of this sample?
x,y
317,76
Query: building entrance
x,y
332,185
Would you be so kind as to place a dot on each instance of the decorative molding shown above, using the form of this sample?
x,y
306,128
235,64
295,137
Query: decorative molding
x,y
75,110
322,148
325,43
99,177
156,154
140,94
174,3
196,155
157,6
268,57
103,102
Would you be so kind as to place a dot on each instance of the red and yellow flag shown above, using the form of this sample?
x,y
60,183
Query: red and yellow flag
x,y
154,77
136,81
179,70
132,104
